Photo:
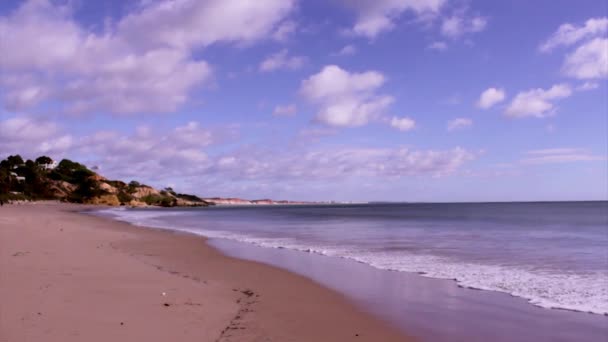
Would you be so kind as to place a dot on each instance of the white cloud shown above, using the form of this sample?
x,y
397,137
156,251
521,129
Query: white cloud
x,y
459,25
345,98
347,50
438,46
588,86
588,61
149,153
560,155
142,63
403,124
30,136
284,31
286,110
340,163
282,60
568,34
537,102
191,23
162,156
459,123
490,97
377,16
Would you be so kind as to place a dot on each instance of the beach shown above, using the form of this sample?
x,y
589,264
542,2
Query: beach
x,y
67,276
439,272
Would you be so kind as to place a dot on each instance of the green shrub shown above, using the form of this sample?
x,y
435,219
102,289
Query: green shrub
x,y
124,197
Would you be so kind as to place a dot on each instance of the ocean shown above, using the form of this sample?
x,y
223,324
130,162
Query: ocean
x,y
552,255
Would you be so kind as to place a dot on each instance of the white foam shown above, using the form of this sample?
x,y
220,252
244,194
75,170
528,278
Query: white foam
x,y
547,289
577,292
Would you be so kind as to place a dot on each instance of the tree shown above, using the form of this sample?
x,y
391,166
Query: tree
x,y
13,161
44,160
36,185
70,172
87,188
5,184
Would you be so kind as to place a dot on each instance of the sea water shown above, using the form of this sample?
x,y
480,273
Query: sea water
x,y
553,255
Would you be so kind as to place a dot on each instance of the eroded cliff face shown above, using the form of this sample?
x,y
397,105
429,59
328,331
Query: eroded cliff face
x,y
44,179
117,193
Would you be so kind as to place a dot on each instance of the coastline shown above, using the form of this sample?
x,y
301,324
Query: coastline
x,y
432,309
107,279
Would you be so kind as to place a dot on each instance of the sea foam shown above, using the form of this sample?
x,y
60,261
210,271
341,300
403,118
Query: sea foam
x,y
584,292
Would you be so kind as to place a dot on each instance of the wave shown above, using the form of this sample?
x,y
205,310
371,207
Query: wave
x,y
548,289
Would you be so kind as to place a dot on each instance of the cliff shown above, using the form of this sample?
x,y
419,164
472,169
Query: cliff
x,y
73,182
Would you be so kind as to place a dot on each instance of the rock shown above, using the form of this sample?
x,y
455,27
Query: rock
x,y
108,199
108,188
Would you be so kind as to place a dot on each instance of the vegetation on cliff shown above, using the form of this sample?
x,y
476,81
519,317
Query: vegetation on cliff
x,y
69,181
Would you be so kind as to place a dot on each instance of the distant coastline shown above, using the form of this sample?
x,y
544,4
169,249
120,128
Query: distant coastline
x,y
266,201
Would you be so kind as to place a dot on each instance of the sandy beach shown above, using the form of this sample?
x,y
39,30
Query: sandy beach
x,y
67,276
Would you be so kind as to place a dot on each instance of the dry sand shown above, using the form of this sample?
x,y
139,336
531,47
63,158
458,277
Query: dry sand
x,y
66,276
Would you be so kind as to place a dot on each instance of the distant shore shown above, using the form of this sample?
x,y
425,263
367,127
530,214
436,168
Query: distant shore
x,y
67,276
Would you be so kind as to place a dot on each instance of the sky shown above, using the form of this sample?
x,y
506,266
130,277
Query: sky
x,y
360,100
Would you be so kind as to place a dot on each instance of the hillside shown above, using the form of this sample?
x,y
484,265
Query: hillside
x,y
44,179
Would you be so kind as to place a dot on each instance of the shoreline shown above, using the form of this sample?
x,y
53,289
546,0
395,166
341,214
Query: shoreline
x,y
232,299
531,300
434,309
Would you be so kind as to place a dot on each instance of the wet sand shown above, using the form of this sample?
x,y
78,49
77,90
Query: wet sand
x,y
65,276
431,309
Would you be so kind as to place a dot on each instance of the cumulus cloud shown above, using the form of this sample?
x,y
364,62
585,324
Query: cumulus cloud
x,y
161,156
282,60
490,97
142,63
342,163
438,46
537,102
31,136
560,155
588,61
459,123
344,98
569,34
286,110
185,24
403,124
378,16
459,25
149,153
588,86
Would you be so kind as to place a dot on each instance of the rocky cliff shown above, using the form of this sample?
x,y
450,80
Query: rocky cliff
x,y
73,182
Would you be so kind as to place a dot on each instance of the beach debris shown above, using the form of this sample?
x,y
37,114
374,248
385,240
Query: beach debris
x,y
20,254
167,304
122,323
164,294
248,293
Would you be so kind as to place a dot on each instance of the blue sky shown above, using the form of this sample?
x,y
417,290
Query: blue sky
x,y
401,100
